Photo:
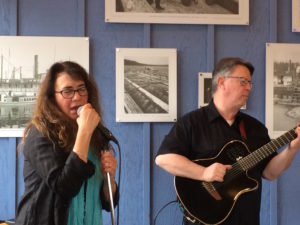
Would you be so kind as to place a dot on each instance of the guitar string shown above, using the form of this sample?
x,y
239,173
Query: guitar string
x,y
245,164
261,154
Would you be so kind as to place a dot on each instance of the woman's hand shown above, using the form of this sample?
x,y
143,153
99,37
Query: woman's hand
x,y
88,119
108,163
87,122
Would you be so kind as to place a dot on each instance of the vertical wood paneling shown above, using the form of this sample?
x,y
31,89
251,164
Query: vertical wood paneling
x,y
13,17
273,21
19,173
274,184
147,172
81,18
273,203
8,17
147,35
8,26
210,48
7,178
146,147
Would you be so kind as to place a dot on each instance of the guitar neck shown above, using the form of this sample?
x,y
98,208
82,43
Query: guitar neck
x,y
265,151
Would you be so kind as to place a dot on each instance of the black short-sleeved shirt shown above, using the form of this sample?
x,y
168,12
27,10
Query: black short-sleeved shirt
x,y
201,134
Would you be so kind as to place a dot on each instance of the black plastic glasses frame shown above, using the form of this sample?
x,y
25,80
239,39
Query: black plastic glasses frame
x,y
69,93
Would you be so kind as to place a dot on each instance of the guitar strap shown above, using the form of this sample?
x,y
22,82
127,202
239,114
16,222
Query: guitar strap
x,y
242,130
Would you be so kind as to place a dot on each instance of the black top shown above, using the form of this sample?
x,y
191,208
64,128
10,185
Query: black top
x,y
52,178
202,134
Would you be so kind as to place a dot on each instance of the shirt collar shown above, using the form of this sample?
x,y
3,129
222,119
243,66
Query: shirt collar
x,y
214,114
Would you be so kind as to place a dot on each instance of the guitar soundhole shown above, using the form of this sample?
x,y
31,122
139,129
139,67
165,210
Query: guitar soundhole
x,y
236,152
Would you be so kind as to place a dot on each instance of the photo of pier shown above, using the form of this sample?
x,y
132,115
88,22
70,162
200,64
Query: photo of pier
x,y
146,87
146,84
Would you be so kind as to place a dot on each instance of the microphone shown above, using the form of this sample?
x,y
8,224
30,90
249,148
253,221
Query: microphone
x,y
106,132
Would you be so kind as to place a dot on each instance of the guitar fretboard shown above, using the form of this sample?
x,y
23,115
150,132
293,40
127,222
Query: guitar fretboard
x,y
263,152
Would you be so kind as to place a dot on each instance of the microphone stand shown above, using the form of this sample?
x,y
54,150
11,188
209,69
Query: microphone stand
x,y
111,200
112,212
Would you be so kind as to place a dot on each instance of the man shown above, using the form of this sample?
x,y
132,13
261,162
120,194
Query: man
x,y
201,134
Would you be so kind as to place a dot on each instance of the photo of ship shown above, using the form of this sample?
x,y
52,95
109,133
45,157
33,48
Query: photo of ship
x,y
286,94
18,92
24,61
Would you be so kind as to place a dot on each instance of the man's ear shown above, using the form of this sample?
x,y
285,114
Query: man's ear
x,y
220,81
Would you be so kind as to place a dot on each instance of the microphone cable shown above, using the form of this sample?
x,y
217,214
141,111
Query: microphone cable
x,y
119,180
162,208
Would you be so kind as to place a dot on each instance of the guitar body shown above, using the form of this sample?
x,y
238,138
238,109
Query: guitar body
x,y
211,203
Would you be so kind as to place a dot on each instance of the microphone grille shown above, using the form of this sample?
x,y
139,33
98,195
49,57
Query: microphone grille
x,y
79,110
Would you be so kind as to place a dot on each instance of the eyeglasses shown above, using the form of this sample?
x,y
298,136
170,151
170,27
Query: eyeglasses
x,y
69,93
243,81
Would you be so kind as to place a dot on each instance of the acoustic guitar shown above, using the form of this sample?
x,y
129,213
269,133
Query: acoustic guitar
x,y
212,202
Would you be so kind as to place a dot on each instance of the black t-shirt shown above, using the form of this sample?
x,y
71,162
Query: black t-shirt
x,y
202,134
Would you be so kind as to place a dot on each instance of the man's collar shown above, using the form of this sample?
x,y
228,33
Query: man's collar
x,y
213,113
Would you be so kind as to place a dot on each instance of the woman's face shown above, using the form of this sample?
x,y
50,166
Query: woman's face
x,y
70,94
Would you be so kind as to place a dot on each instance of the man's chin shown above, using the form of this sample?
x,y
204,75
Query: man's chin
x,y
242,104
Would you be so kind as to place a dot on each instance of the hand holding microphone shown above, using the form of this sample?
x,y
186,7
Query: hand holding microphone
x,y
106,133
89,118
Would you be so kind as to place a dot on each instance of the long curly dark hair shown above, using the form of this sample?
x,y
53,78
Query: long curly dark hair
x,y
48,117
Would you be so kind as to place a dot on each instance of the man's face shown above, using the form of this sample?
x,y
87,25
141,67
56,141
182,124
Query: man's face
x,y
237,86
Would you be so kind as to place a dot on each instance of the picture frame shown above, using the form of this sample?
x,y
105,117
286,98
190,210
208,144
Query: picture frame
x,y
204,88
179,12
146,85
282,102
295,16
24,62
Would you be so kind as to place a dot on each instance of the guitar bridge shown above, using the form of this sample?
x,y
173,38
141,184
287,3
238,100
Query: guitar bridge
x,y
212,191
190,219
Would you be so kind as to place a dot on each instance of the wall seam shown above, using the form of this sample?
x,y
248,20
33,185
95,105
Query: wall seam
x,y
274,184
146,147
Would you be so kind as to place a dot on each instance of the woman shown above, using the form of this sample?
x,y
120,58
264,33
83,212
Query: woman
x,y
64,161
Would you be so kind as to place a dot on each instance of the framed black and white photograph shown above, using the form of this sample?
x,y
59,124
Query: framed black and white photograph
x,y
23,65
178,11
146,85
204,88
295,15
282,87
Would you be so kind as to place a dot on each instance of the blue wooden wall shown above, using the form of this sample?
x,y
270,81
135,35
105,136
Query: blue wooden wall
x,y
145,188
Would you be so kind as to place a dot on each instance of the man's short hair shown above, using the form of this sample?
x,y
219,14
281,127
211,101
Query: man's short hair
x,y
225,66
